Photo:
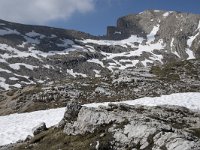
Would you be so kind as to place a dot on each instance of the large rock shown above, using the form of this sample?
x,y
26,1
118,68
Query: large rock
x,y
71,113
140,127
40,128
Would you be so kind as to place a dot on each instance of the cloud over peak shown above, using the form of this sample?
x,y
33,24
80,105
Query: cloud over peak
x,y
42,11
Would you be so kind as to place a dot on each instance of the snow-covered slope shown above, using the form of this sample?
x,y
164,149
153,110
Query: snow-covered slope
x,y
188,100
17,126
34,54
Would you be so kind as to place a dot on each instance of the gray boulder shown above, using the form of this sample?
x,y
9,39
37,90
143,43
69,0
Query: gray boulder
x,y
40,128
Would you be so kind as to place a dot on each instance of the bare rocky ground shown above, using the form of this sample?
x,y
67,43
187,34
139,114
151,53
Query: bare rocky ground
x,y
122,85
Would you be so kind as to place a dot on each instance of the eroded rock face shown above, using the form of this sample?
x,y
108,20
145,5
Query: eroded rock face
x,y
140,127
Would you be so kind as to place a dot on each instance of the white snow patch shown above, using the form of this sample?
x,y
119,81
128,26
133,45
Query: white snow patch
x,y
35,34
130,41
3,60
191,39
190,54
176,53
22,45
16,66
16,127
189,100
47,66
3,84
17,85
74,74
53,36
166,14
117,32
97,146
97,61
97,73
4,70
172,43
32,40
151,35
7,31
13,78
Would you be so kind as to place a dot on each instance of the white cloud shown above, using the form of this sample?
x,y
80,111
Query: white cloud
x,y
42,11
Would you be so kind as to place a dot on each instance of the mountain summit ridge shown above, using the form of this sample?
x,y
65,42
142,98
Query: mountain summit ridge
x,y
38,54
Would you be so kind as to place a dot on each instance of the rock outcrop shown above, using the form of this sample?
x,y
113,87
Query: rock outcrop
x,y
40,128
140,127
121,127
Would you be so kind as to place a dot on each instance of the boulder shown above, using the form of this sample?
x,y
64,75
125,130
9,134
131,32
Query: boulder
x,y
40,128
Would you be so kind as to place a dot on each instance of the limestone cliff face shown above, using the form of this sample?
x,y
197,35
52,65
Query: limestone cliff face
x,y
175,28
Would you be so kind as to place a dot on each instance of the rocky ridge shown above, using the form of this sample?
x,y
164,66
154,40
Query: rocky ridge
x,y
120,126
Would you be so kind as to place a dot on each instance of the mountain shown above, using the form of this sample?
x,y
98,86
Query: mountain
x,y
153,53
149,54
38,54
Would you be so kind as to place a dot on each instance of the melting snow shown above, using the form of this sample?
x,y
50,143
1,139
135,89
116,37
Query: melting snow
x,y
17,126
151,35
156,10
74,74
117,32
130,41
190,54
16,66
191,39
35,34
4,70
188,100
3,84
166,14
13,78
172,43
7,31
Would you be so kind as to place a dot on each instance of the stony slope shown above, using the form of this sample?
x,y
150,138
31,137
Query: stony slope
x,y
35,54
171,78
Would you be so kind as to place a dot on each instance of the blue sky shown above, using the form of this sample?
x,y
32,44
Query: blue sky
x,y
106,13
92,16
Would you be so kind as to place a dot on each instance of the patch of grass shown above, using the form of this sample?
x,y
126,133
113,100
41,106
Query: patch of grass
x,y
166,73
196,132
54,139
